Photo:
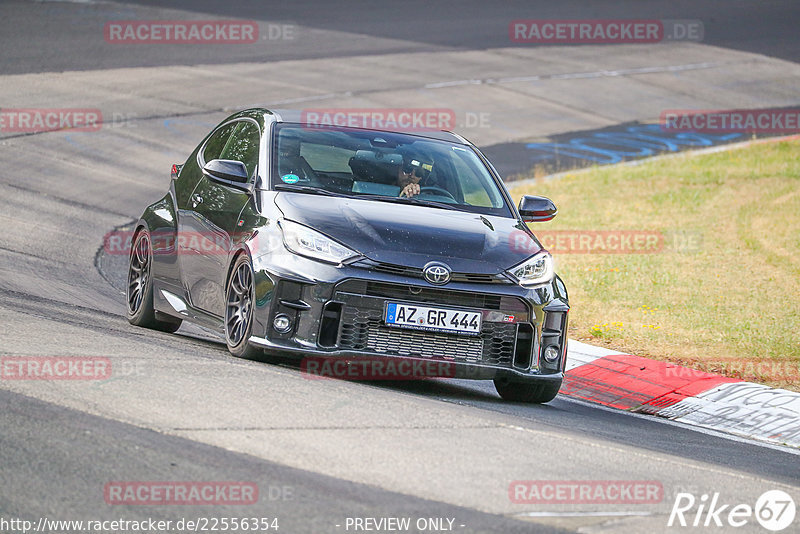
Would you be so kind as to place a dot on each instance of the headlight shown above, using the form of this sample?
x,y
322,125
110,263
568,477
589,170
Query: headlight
x,y
307,242
536,270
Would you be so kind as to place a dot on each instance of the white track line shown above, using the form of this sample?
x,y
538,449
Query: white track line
x,y
583,514
574,75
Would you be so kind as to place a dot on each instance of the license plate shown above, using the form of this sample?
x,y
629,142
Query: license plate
x,y
432,318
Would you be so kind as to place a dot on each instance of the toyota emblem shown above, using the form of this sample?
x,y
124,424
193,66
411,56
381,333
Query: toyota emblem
x,y
436,273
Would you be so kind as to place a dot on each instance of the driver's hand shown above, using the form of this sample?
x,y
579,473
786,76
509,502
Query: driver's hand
x,y
410,190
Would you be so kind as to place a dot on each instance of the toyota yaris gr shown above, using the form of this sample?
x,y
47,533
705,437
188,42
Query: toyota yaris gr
x,y
319,240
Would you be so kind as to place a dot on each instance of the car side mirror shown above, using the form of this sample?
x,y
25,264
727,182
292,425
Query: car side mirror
x,y
226,170
536,209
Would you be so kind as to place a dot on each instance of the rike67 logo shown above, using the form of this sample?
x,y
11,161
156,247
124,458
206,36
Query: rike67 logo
x,y
774,510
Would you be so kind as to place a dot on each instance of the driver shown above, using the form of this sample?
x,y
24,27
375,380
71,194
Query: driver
x,y
411,173
290,160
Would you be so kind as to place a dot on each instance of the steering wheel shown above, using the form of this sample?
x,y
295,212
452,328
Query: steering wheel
x,y
437,191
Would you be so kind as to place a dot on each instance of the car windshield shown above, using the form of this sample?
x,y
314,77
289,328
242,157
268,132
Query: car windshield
x,y
378,165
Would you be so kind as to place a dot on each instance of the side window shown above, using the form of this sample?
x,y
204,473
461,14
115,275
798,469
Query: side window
x,y
475,182
216,143
474,193
243,146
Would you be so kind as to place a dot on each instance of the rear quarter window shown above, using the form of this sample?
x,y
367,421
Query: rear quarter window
x,y
216,143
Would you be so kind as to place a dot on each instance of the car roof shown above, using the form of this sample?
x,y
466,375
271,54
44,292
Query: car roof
x,y
296,116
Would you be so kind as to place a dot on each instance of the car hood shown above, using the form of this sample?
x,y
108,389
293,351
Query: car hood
x,y
412,236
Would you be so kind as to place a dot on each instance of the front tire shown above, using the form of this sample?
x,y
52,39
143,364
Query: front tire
x,y
139,291
239,299
526,391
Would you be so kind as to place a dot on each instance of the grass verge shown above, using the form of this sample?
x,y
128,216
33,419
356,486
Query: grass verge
x,y
710,277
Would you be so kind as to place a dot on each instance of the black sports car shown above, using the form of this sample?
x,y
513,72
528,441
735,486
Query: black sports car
x,y
347,243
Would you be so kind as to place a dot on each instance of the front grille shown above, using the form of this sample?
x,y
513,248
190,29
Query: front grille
x,y
441,297
362,328
434,296
423,344
413,272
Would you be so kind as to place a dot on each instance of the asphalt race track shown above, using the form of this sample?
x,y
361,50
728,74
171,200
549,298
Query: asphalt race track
x,y
180,408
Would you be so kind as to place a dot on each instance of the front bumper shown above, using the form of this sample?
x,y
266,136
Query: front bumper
x,y
337,312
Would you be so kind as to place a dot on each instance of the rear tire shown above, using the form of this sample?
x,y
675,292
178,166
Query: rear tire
x,y
139,291
526,391
239,299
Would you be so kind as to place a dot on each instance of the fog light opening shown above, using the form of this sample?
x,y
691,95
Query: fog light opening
x,y
551,354
282,323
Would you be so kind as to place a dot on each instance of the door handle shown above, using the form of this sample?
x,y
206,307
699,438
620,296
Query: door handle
x,y
196,199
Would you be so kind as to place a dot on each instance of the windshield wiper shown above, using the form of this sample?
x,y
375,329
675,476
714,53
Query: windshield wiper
x,y
421,202
306,189
401,200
